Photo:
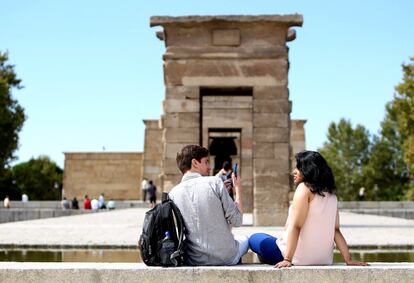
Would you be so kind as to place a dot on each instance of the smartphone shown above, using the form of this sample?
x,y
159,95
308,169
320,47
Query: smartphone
x,y
235,169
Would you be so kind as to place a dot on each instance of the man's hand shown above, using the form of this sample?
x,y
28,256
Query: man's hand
x,y
228,184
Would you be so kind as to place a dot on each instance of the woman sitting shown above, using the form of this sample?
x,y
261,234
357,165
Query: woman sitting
x,y
312,225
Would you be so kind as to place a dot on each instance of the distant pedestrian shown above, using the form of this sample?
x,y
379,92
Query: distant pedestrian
x,y
94,204
75,204
361,194
101,201
111,204
65,204
152,193
7,202
87,203
144,189
25,198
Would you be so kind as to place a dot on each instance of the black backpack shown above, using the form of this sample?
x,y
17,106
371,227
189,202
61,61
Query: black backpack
x,y
164,217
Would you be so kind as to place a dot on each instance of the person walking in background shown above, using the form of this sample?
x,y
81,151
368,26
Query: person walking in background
x,y
7,202
87,203
75,204
94,204
361,194
208,211
312,226
65,204
101,201
25,198
152,193
144,189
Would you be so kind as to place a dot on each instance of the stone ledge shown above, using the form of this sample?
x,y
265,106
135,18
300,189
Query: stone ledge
x,y
138,272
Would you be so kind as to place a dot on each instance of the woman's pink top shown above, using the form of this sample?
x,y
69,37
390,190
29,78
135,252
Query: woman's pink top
x,y
316,238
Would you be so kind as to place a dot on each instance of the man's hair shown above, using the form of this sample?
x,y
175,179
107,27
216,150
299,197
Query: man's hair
x,y
317,174
226,165
188,153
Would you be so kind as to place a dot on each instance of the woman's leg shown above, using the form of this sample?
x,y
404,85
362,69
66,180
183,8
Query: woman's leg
x,y
265,247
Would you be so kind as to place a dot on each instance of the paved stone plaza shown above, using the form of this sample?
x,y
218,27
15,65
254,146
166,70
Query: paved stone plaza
x,y
121,228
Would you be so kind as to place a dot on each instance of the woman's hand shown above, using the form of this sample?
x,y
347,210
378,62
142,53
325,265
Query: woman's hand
x,y
283,263
356,263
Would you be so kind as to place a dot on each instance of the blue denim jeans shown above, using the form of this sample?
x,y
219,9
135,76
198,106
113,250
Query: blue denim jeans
x,y
265,247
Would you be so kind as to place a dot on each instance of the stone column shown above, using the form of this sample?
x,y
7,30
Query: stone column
x,y
151,167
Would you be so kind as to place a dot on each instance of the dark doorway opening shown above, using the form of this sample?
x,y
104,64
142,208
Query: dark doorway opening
x,y
222,148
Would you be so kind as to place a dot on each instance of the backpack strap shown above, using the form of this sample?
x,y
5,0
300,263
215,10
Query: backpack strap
x,y
180,226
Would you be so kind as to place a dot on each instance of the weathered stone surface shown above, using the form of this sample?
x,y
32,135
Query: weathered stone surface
x,y
272,106
182,92
279,182
227,102
12,272
179,72
171,150
181,105
278,135
181,135
226,37
265,166
191,31
265,92
115,174
267,120
170,166
182,120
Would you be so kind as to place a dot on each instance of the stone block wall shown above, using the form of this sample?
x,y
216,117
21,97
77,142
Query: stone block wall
x,y
116,174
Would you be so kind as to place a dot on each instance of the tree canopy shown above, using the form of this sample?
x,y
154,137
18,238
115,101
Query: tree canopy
x,y
39,178
11,120
347,152
383,164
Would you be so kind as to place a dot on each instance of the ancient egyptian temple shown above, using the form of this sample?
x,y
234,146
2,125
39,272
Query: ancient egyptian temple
x,y
226,88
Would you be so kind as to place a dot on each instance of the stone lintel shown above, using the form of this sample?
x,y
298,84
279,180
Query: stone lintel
x,y
223,52
272,106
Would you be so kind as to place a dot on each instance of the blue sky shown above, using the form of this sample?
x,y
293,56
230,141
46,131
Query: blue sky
x,y
92,70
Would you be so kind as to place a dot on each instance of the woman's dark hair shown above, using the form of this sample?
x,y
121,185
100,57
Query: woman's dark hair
x,y
188,153
317,174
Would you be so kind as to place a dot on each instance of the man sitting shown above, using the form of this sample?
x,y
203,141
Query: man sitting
x,y
208,211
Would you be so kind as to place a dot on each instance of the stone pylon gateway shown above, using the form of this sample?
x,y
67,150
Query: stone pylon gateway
x,y
226,80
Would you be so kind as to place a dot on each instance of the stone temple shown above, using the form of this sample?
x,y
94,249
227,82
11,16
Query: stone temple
x,y
226,88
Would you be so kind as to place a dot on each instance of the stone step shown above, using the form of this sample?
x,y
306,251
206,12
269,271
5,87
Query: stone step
x,y
137,272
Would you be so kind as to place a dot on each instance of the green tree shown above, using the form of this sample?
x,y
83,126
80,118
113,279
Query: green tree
x,y
38,178
386,175
11,121
347,152
403,105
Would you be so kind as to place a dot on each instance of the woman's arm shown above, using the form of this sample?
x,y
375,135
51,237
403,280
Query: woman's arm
x,y
300,207
343,246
